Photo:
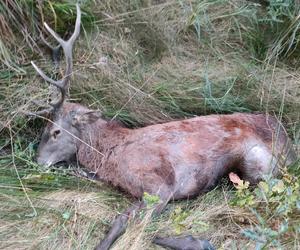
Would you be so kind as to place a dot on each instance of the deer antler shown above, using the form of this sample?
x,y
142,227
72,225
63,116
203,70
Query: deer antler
x,y
63,83
54,50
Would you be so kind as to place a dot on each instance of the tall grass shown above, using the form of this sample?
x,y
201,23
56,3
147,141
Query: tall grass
x,y
145,62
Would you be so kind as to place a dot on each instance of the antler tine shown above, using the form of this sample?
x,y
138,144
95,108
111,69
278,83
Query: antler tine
x,y
56,83
47,43
77,25
67,45
54,50
67,48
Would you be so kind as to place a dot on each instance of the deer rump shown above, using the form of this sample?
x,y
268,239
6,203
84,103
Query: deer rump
x,y
174,160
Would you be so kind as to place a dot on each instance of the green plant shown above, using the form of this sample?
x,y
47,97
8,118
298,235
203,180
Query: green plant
x,y
276,209
150,200
178,217
218,97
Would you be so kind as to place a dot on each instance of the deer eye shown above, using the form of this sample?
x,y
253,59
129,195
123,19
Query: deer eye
x,y
55,133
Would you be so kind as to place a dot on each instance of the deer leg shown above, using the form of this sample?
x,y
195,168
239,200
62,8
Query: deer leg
x,y
119,226
120,223
185,242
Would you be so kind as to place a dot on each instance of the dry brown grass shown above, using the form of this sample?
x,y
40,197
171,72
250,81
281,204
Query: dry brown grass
x,y
142,63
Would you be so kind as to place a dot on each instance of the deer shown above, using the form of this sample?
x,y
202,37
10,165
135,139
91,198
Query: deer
x,y
174,160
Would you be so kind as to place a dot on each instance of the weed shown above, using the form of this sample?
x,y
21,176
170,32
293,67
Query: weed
x,y
274,203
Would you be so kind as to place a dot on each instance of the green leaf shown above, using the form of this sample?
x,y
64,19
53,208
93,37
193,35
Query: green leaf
x,y
278,187
283,227
264,186
260,219
250,234
66,215
282,209
150,200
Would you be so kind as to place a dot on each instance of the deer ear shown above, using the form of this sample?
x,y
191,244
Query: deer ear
x,y
84,118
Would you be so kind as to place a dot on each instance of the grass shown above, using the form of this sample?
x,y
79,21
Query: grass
x,y
147,62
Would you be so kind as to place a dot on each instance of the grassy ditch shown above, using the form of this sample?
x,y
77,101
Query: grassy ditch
x,y
147,62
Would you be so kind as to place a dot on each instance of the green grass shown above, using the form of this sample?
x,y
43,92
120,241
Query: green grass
x,y
147,62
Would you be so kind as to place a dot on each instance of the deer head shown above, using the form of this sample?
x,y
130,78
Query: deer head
x,y
62,134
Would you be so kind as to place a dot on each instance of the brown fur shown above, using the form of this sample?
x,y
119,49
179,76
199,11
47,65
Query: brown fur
x,y
180,158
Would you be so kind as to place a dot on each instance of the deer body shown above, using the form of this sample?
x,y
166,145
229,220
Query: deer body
x,y
179,159
174,160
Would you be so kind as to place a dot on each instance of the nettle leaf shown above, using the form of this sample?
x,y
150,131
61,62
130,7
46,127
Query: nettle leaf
x,y
244,185
179,228
200,226
260,219
289,191
264,186
293,198
282,209
275,198
260,194
283,227
66,215
259,245
251,234
272,233
178,217
279,187
150,200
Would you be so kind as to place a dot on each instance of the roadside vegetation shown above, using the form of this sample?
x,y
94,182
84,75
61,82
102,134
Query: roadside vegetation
x,y
147,62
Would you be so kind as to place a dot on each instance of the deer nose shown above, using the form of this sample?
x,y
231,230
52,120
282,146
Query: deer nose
x,y
44,162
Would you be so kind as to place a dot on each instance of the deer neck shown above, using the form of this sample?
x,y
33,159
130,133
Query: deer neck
x,y
98,140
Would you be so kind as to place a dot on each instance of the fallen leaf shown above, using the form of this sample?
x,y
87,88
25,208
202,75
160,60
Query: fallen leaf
x,y
235,179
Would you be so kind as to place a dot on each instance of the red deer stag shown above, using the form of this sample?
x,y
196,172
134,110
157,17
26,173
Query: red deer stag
x,y
174,160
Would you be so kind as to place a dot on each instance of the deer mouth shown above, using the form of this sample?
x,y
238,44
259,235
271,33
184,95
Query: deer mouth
x,y
47,162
